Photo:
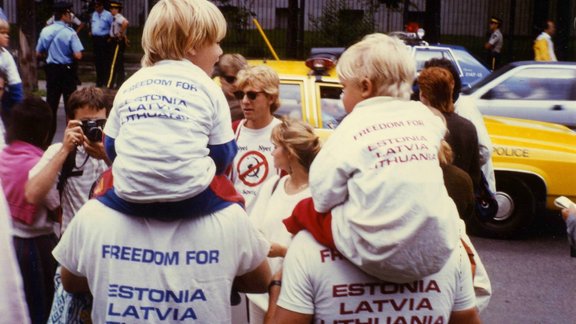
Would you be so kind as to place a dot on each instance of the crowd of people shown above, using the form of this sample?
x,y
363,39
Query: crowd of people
x,y
166,199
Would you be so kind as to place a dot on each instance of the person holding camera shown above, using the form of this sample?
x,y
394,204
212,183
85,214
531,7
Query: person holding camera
x,y
69,169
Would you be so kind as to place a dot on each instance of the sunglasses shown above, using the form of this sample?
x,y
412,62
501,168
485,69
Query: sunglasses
x,y
250,94
229,78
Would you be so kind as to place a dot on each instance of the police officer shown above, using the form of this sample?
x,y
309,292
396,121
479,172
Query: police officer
x,y
118,42
100,24
494,44
60,45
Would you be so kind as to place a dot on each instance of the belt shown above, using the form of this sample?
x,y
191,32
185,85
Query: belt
x,y
55,65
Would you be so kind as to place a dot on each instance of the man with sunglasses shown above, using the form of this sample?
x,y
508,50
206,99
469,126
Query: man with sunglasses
x,y
258,89
71,168
227,69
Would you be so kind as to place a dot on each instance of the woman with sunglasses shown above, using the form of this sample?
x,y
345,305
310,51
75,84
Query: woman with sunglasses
x,y
258,92
295,147
228,67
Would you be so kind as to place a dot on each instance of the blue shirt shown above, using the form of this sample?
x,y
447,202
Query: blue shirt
x,y
101,23
3,15
60,42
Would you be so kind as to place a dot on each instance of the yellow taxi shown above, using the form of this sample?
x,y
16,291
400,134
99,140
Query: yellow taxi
x,y
535,162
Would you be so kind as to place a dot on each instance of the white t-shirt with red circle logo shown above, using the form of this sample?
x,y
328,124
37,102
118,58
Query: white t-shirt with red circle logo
x,y
253,163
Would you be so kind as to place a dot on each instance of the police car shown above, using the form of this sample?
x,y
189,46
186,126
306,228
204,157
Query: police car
x,y
544,91
534,161
470,69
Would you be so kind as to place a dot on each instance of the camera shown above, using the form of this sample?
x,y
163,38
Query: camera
x,y
93,130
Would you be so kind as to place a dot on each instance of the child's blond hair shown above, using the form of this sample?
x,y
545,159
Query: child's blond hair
x,y
386,61
175,27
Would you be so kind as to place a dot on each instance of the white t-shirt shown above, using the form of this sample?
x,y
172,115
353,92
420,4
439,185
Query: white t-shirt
x,y
8,65
379,175
13,307
267,215
142,270
466,107
163,119
2,135
254,163
320,281
75,193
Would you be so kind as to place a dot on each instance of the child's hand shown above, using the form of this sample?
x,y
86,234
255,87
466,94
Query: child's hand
x,y
277,250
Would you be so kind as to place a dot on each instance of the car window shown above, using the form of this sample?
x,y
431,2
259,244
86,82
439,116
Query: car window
x,y
472,69
423,54
290,100
537,84
330,105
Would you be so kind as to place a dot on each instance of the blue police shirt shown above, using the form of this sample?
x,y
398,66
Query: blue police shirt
x,y
60,42
101,23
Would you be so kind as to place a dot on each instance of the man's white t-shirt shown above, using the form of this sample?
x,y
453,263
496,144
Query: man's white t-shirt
x,y
78,185
320,281
163,119
253,164
142,270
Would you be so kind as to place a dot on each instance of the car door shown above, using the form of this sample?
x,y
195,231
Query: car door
x,y
329,103
293,94
544,93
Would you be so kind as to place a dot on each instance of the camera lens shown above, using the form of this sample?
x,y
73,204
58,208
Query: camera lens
x,y
92,131
94,134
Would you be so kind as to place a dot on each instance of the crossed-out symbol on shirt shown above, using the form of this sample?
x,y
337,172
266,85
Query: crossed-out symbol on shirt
x,y
252,168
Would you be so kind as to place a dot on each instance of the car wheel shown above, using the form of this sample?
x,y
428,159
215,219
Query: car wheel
x,y
516,210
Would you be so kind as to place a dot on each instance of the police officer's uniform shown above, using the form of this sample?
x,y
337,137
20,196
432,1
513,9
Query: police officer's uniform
x,y
58,42
117,47
495,41
100,24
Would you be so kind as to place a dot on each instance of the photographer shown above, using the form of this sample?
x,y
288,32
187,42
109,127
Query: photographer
x,y
70,168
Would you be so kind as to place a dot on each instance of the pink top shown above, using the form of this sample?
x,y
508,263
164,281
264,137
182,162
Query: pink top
x,y
16,161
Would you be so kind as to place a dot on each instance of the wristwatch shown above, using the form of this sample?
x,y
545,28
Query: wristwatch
x,y
274,283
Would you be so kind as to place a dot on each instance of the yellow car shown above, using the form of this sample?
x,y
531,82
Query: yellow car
x,y
535,162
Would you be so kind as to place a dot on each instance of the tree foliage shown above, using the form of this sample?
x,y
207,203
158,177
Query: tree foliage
x,y
340,25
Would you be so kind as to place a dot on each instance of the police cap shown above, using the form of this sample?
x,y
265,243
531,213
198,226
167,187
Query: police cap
x,y
115,4
496,21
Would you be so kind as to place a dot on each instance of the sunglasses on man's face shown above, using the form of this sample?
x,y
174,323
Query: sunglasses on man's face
x,y
250,94
229,78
